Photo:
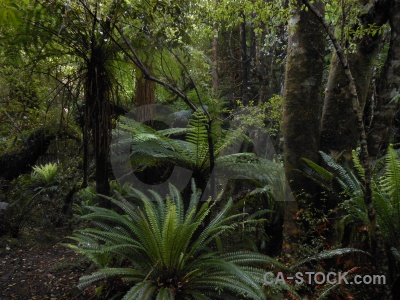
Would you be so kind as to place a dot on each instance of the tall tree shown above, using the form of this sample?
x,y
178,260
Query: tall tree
x,y
376,244
301,115
215,58
339,131
245,61
388,89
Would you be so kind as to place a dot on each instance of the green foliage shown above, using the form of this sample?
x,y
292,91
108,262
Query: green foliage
x,y
328,254
386,192
84,198
35,199
167,253
387,201
45,174
336,179
345,16
11,12
150,147
274,108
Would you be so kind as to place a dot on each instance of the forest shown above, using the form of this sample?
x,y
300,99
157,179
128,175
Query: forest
x,y
199,149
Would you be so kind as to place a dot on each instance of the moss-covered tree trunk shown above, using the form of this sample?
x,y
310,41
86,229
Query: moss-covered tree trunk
x,y
301,115
376,239
14,164
145,96
388,89
339,131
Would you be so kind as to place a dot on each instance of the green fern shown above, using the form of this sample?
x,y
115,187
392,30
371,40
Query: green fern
x,y
357,165
388,201
45,174
328,254
197,134
168,250
150,147
336,179
386,191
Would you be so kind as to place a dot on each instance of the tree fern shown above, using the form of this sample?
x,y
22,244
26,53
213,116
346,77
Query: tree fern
x,y
148,147
162,257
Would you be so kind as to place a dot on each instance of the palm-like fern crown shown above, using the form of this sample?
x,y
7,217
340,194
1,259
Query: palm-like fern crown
x,y
150,147
168,260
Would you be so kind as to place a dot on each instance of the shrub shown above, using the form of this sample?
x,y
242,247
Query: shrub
x,y
167,252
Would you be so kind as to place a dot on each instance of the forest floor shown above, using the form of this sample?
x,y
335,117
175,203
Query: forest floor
x,y
37,266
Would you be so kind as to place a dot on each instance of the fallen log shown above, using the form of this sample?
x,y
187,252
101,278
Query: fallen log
x,y
16,163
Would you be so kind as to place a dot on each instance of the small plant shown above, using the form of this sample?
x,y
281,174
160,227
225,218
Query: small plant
x,y
163,251
82,199
45,174
32,195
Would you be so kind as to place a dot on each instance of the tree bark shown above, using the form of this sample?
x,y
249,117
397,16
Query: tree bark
x,y
376,239
98,114
301,113
339,130
145,96
214,66
388,88
244,59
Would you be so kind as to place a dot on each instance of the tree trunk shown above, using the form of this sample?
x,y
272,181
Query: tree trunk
x,y
244,59
388,88
301,115
145,96
214,66
261,61
339,130
98,115
376,239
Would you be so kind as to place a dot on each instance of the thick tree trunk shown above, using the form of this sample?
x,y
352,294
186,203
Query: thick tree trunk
x,y
339,131
145,96
98,115
301,115
388,88
376,239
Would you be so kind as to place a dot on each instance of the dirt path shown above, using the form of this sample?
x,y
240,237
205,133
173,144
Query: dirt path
x,y
40,272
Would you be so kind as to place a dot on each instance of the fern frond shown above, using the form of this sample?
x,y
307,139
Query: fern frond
x,y
329,254
144,290
198,136
88,280
167,250
346,181
357,164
